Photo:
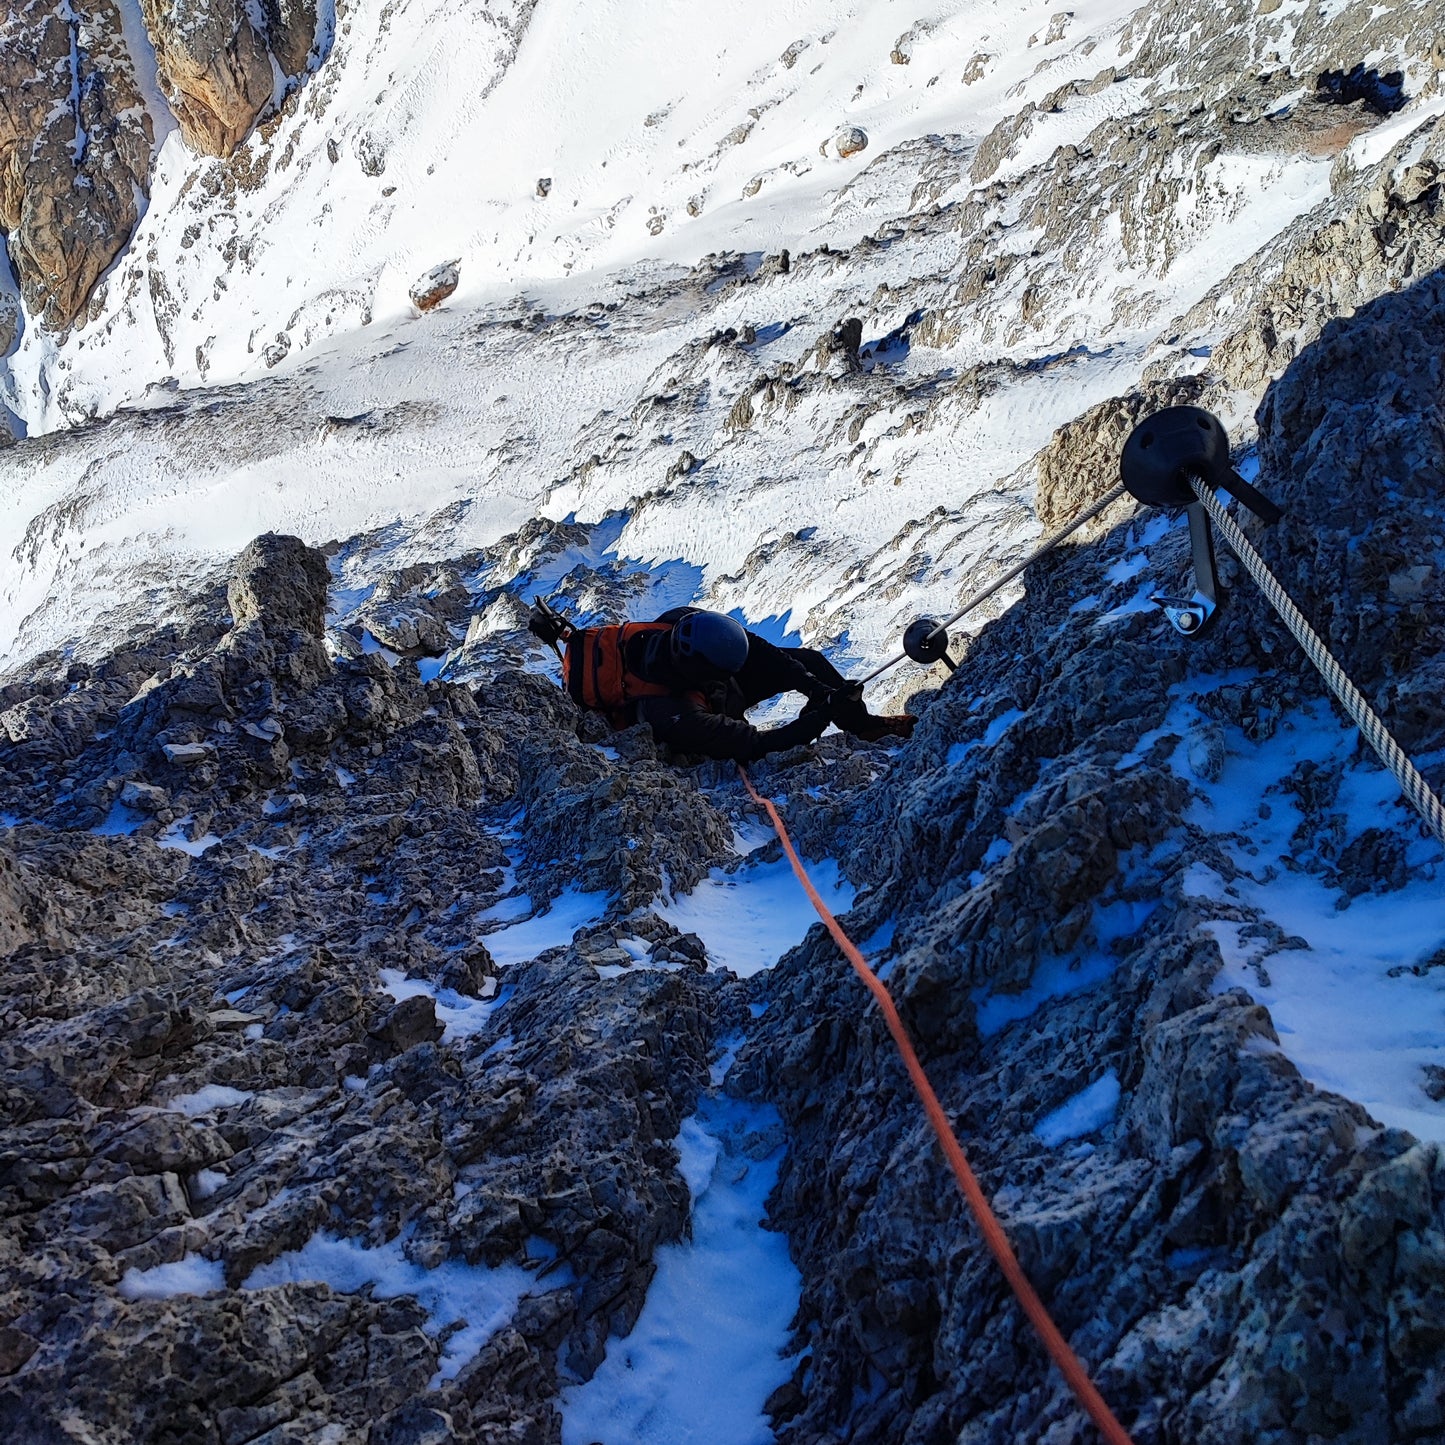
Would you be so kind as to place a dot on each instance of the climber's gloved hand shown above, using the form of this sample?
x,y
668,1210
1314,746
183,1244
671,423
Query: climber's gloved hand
x,y
845,707
545,624
811,723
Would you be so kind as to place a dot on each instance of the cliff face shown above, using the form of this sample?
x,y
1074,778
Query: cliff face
x,y
218,70
287,996
77,137
75,150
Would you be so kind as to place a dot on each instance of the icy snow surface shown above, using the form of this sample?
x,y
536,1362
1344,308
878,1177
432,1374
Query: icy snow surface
x,y
1086,1113
706,1351
521,942
1349,1008
191,1275
750,918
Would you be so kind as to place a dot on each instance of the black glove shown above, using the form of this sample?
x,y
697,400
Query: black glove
x,y
546,625
845,706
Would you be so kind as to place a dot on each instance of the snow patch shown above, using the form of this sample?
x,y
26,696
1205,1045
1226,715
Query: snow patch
x,y
461,1016
191,1275
208,1099
480,1300
522,942
707,1350
750,918
1086,1113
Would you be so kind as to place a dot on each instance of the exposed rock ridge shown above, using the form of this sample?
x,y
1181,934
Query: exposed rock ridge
x,y
1239,1254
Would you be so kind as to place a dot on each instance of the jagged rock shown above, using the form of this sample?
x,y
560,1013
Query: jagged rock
x,y
281,583
26,915
432,289
837,351
413,1021
145,796
66,215
215,69
188,755
1081,462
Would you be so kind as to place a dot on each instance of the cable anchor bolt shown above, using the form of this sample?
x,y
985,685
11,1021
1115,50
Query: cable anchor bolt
x,y
1160,460
926,642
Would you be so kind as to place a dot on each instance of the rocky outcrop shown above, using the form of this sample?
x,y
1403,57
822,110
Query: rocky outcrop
x,y
297,826
76,136
215,64
75,150
1194,1248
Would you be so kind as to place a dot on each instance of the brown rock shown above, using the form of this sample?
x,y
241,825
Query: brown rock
x,y
434,288
214,68
69,168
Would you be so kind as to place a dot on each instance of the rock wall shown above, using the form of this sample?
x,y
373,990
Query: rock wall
x,y
1241,1255
372,812
76,137
75,150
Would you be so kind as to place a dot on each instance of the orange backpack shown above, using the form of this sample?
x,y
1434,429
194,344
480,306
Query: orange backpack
x,y
596,673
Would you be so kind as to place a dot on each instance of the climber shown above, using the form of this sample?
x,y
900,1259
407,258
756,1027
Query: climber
x,y
692,675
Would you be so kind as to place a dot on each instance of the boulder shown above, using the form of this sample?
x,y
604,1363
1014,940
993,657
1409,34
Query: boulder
x,y
282,583
432,289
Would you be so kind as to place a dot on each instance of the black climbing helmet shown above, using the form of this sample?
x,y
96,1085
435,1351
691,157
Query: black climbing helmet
x,y
711,641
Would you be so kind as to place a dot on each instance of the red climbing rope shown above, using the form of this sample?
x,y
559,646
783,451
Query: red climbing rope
x,y
997,1241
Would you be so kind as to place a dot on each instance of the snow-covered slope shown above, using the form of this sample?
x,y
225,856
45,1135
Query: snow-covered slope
x,y
1042,194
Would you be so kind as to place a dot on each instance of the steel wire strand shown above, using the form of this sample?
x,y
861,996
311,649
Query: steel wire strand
x,y
1372,727
1044,547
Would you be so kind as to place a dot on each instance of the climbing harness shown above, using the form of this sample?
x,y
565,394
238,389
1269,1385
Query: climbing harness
x,y
926,641
1052,1338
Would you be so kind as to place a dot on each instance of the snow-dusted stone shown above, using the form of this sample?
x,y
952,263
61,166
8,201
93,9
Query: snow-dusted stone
x,y
188,755
977,67
850,141
144,797
434,288
282,582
